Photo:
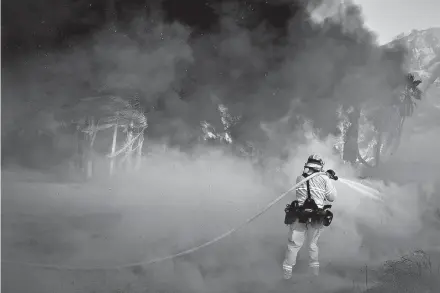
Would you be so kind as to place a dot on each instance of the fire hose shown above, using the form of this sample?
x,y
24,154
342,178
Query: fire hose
x,y
329,173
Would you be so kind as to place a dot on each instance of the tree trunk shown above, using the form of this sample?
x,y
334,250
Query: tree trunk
x,y
139,151
90,138
351,147
397,140
113,150
79,155
129,151
378,148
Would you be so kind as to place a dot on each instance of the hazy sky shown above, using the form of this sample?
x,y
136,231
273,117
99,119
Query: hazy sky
x,y
388,18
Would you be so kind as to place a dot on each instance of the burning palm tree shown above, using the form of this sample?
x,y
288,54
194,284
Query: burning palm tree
x,y
101,113
387,122
391,126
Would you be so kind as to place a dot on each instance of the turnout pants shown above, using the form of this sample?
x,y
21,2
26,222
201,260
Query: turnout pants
x,y
298,232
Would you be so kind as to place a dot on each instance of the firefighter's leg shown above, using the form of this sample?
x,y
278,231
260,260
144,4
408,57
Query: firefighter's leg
x,y
296,239
313,232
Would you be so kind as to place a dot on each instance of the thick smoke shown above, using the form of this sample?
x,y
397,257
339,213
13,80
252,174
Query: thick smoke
x,y
284,86
259,73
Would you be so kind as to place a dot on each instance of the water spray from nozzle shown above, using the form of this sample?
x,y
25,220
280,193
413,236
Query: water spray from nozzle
x,y
366,190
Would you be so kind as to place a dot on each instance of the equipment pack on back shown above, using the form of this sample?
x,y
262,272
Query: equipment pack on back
x,y
309,212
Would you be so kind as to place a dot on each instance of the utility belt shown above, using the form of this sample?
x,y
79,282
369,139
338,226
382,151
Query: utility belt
x,y
295,212
308,212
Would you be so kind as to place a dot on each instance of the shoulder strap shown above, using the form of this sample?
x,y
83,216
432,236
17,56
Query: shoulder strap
x,y
308,186
308,190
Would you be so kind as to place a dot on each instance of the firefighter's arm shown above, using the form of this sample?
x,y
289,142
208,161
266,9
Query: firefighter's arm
x,y
331,191
298,179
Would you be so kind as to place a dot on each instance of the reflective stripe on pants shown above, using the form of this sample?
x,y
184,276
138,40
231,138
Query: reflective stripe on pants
x,y
297,234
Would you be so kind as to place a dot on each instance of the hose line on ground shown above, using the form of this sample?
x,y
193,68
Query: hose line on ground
x,y
171,256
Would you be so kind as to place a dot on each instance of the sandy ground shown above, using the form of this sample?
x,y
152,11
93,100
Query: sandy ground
x,y
88,225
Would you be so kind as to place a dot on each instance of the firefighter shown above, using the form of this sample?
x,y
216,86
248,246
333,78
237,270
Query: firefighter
x,y
319,189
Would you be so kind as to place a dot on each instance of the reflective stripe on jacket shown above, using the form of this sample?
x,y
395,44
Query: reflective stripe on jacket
x,y
321,189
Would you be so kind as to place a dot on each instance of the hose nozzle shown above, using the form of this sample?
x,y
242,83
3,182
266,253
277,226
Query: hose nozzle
x,y
331,174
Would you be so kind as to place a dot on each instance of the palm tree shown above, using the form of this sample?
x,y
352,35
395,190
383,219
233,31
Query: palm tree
x,y
403,106
104,112
388,122
351,147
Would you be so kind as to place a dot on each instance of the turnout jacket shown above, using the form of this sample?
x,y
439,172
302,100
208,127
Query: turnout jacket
x,y
321,189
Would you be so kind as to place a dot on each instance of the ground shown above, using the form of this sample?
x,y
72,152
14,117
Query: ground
x,y
96,224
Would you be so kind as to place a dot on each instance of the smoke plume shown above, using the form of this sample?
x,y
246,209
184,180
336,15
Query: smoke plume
x,y
286,81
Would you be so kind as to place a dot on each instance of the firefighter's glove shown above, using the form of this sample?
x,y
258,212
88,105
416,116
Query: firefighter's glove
x,y
331,174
